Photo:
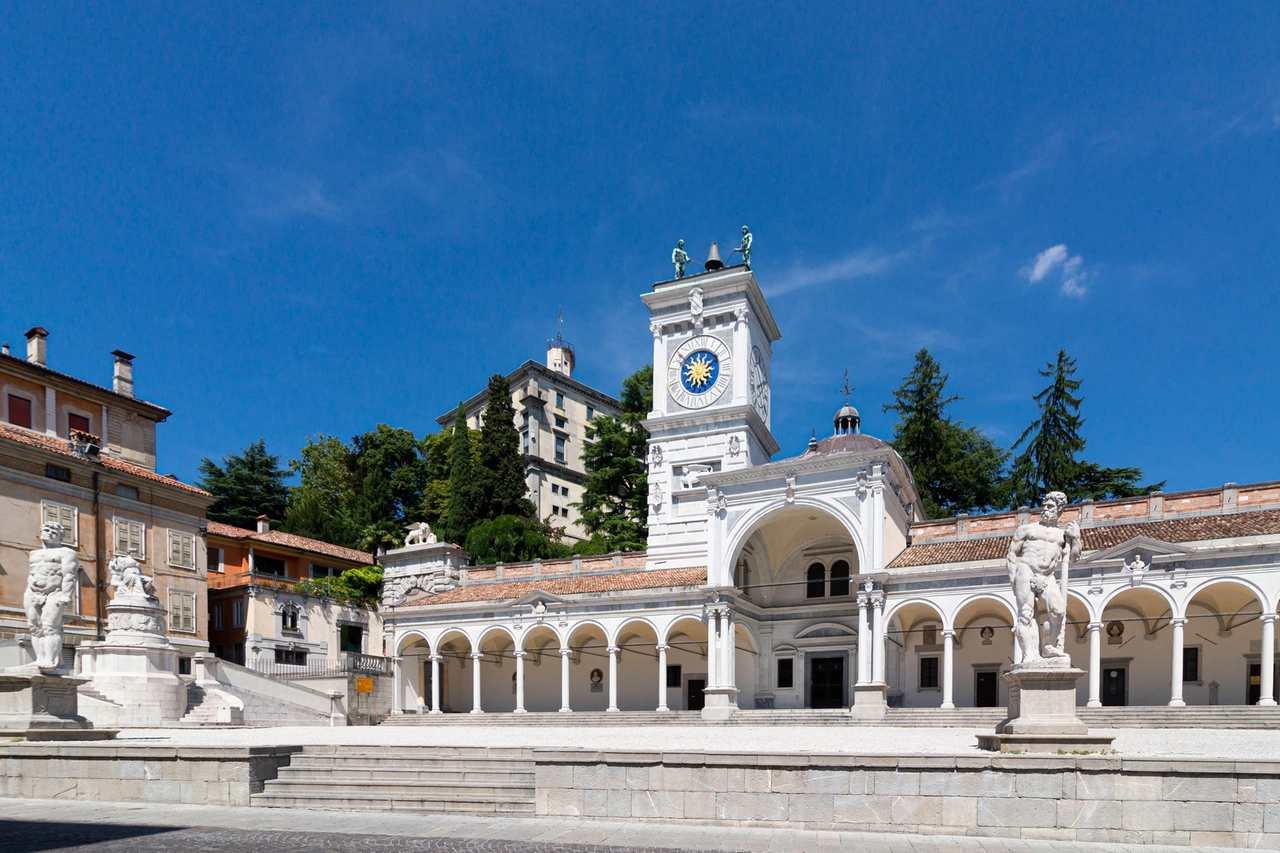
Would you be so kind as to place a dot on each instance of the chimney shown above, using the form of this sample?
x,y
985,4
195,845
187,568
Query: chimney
x,y
264,524
37,350
5,349
122,377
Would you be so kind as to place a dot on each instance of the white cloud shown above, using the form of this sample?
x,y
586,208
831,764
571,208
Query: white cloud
x,y
857,265
1057,259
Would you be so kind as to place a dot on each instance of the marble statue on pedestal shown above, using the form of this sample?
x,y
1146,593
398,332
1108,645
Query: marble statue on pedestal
x,y
419,533
1037,551
51,587
128,579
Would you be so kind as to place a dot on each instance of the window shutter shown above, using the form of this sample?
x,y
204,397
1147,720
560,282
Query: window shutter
x,y
122,537
135,537
175,550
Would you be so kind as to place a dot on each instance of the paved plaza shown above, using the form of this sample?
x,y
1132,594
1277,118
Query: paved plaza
x,y
45,826
863,740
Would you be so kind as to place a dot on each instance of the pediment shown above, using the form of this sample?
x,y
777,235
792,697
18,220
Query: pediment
x,y
1145,544
826,629
532,598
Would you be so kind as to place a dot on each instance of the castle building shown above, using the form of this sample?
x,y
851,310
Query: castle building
x,y
84,455
815,581
553,413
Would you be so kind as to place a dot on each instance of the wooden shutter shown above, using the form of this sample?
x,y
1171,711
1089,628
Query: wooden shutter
x,y
64,515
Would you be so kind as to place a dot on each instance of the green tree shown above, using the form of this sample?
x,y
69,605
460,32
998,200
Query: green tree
x,y
247,484
391,465
1053,443
438,448
956,468
461,515
614,506
498,485
510,539
323,505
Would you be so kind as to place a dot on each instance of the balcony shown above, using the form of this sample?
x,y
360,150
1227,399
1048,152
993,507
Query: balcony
x,y
348,663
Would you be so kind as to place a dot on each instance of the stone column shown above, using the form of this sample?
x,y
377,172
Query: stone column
x,y
659,358
662,678
564,682
1175,680
613,679
728,678
713,647
435,684
877,646
1267,696
1095,665
397,685
476,657
864,642
519,656
948,642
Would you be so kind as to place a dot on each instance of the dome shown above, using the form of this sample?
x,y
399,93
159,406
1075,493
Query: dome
x,y
847,420
845,443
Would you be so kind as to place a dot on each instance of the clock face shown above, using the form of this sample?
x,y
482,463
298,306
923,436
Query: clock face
x,y
698,372
759,384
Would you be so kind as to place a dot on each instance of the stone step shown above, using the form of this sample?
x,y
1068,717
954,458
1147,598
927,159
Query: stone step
x,y
451,776
352,801
341,786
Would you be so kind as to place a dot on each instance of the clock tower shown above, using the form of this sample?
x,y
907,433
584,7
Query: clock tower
x,y
713,338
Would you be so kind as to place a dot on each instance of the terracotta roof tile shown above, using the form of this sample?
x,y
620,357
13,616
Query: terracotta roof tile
x,y
60,446
288,540
1197,529
568,585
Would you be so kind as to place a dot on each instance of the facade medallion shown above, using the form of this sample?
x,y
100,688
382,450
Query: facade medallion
x,y
699,371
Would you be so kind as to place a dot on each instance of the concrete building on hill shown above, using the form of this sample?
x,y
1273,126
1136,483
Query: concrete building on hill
x,y
815,581
84,455
553,412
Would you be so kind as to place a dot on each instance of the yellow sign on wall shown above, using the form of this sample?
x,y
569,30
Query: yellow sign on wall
x,y
364,685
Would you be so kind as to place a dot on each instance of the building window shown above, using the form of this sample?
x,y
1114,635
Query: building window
x,y
61,514
524,441
182,606
214,557
928,673
673,675
560,422
559,400
816,581
291,657
20,411
1191,664
131,538
237,619
350,638
559,448
268,566
318,571
61,473
786,673
215,616
76,423
839,578
182,550
289,619
184,666
555,488
591,414
565,491
129,492
238,654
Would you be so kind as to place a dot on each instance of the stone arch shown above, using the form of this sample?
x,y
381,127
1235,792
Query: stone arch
x,y
756,519
538,628
913,603
980,606
410,638
490,630
1147,604
1227,609
630,621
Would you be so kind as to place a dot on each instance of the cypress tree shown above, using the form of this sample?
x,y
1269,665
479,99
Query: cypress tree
x,y
247,484
460,515
499,482
615,496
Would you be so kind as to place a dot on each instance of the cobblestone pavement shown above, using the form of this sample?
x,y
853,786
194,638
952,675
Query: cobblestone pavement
x,y
51,826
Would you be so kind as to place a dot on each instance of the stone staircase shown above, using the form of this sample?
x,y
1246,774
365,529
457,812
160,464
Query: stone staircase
x,y
1192,717
208,706
463,780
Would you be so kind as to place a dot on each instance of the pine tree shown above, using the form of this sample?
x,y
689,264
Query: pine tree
x,y
614,505
461,514
956,468
247,484
499,483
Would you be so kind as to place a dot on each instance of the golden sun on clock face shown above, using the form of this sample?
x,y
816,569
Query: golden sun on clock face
x,y
699,372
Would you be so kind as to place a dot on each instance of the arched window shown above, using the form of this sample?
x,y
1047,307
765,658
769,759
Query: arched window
x,y
839,578
816,586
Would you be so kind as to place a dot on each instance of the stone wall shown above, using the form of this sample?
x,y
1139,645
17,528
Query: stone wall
x,y
221,776
1073,798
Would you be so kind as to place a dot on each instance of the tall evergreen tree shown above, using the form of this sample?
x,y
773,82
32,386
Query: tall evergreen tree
x,y
498,484
614,503
1053,442
461,515
247,484
956,468
323,505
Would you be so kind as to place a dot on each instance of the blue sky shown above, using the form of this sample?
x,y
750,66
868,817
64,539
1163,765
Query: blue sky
x,y
314,218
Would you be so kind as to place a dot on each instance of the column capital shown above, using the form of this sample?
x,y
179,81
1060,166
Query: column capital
x,y
662,647
1179,621
877,599
1268,617
435,658
1095,626
564,653
948,633
862,599
477,655
520,654
613,650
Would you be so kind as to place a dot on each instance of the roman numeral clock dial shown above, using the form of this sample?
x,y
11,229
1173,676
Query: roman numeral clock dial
x,y
699,372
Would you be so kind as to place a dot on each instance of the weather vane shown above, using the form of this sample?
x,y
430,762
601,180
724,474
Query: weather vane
x,y
846,389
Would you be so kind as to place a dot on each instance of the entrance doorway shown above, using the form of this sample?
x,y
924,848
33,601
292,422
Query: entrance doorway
x,y
426,685
826,685
695,700
1255,683
1115,686
986,689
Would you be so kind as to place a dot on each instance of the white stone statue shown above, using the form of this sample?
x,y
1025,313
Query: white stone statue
x,y
690,474
128,579
51,587
1037,551
419,533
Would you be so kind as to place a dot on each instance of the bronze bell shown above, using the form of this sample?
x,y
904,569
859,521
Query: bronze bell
x,y
713,258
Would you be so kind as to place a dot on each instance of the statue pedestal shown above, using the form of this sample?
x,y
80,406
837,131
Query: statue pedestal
x,y
1042,712
870,701
134,674
721,703
39,706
